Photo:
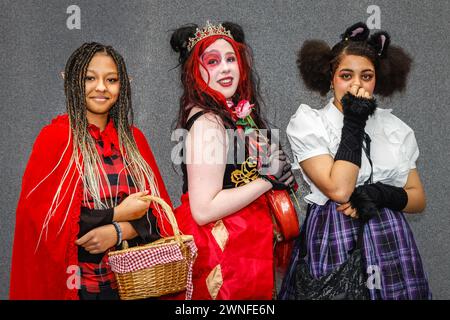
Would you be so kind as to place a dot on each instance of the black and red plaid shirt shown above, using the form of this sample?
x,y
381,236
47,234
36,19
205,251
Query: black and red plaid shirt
x,y
95,269
107,144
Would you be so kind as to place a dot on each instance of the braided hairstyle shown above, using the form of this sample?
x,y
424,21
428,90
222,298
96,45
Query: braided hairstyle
x,y
317,62
90,167
197,93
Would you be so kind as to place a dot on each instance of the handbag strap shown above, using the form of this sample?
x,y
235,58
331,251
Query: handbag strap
x,y
366,149
302,237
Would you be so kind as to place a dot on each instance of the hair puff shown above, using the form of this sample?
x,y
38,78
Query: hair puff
x,y
313,62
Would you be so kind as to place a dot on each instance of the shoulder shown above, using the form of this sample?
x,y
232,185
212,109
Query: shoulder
x,y
137,133
56,132
141,141
207,119
307,133
51,146
391,125
398,134
305,119
58,123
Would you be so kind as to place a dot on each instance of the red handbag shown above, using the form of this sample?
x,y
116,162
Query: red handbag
x,y
283,211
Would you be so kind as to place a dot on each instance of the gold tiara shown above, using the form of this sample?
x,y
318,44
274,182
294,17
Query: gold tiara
x,y
208,31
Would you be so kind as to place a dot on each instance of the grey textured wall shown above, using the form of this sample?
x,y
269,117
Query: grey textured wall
x,y
35,44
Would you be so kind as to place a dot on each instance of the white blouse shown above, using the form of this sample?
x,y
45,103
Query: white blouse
x,y
393,149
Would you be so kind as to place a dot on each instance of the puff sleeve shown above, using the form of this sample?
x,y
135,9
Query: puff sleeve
x,y
307,134
410,148
400,134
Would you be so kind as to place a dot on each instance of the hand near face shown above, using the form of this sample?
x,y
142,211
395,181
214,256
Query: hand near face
x,y
354,75
361,92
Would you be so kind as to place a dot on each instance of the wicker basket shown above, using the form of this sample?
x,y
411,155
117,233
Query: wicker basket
x,y
160,279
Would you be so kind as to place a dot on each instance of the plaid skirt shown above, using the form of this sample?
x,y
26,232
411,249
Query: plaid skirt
x,y
390,254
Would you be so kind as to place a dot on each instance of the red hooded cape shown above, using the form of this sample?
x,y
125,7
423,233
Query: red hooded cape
x,y
48,272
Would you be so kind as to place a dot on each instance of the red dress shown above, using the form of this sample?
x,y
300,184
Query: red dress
x,y
235,254
47,271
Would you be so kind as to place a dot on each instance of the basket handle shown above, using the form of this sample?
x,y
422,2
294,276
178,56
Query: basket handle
x,y
169,214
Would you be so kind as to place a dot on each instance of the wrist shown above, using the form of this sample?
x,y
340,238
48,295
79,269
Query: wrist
x,y
353,122
266,181
358,108
119,233
117,216
128,231
395,198
276,185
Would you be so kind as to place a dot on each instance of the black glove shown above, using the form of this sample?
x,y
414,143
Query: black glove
x,y
386,196
277,171
356,111
367,199
279,183
363,204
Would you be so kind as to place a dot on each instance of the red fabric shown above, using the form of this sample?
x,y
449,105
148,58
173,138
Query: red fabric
x,y
247,260
97,276
108,136
107,145
45,273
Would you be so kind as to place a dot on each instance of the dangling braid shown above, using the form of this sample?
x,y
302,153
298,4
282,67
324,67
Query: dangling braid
x,y
85,156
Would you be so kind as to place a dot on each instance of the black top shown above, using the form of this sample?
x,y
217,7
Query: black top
x,y
237,172
92,218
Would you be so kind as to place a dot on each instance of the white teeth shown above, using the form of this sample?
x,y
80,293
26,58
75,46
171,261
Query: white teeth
x,y
225,81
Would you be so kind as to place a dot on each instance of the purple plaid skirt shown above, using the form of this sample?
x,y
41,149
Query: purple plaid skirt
x,y
393,262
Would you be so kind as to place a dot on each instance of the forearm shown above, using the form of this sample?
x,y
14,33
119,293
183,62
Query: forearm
x,y
410,198
416,200
343,177
94,218
416,193
357,107
128,232
146,227
227,201
335,179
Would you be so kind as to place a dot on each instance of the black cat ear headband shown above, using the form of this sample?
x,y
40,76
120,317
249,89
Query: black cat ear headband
x,y
380,41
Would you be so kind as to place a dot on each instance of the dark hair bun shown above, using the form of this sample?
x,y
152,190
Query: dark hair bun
x,y
313,61
180,38
236,31
393,70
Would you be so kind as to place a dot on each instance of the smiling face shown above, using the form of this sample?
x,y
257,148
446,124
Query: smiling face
x,y
353,71
219,68
101,85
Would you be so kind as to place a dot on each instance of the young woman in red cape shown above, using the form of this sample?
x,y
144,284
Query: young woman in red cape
x,y
82,186
223,204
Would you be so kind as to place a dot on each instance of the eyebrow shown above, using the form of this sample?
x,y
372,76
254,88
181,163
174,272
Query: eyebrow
x,y
108,73
217,51
350,70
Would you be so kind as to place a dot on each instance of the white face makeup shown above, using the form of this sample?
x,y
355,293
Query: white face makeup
x,y
219,68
